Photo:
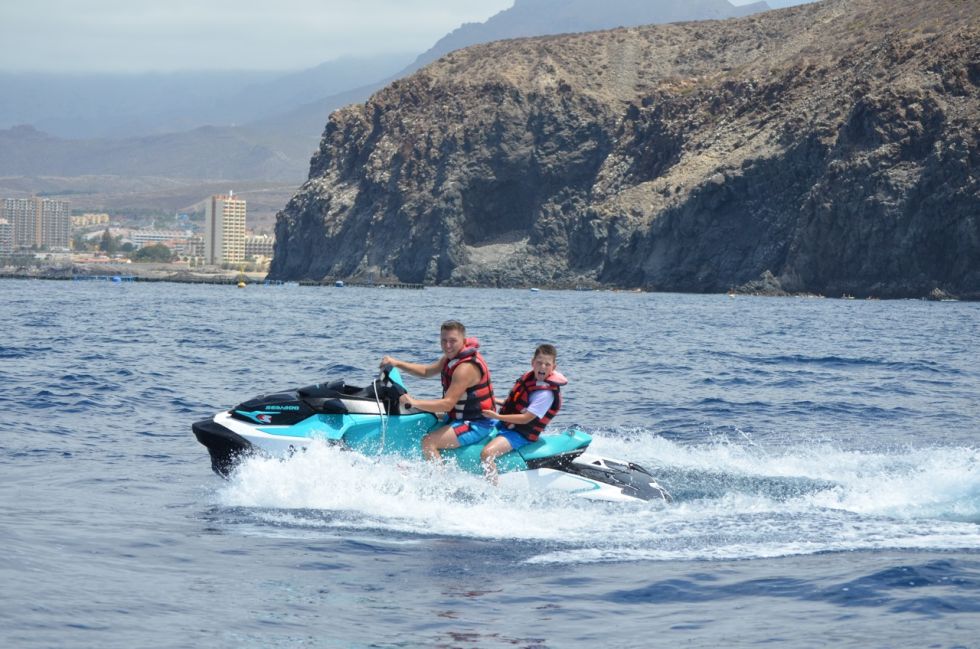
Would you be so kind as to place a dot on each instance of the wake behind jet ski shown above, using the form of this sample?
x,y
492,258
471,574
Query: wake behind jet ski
x,y
370,420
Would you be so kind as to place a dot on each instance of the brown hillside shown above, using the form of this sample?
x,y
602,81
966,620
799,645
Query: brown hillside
x,y
833,144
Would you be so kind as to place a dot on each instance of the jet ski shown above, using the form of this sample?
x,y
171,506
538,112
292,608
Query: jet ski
x,y
371,421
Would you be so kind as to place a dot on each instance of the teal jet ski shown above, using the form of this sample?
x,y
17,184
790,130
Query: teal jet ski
x,y
371,421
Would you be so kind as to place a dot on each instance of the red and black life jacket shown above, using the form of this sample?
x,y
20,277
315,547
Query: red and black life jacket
x,y
520,397
477,398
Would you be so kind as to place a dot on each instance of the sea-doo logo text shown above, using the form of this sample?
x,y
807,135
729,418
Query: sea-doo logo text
x,y
283,407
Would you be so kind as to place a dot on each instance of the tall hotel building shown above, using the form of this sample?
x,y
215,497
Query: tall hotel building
x,y
37,222
6,237
224,229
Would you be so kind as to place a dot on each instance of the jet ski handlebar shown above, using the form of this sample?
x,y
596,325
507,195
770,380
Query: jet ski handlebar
x,y
391,376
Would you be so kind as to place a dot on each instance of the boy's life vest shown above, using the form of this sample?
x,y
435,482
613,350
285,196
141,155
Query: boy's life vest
x,y
520,396
477,398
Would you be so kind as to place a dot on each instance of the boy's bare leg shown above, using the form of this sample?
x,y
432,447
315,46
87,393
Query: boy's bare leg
x,y
495,448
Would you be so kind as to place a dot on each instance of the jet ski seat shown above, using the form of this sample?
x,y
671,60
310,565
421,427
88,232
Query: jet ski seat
x,y
340,390
333,390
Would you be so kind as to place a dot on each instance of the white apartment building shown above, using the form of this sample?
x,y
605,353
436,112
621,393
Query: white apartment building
x,y
6,237
259,245
224,229
141,238
37,222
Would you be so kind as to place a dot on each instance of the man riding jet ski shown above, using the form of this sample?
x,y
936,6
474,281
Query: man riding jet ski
x,y
371,421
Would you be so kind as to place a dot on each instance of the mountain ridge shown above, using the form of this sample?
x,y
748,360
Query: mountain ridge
x,y
261,125
529,18
115,106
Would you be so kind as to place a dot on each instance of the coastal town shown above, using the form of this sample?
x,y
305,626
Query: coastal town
x,y
42,237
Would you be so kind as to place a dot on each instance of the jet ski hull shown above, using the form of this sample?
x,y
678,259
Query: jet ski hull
x,y
225,447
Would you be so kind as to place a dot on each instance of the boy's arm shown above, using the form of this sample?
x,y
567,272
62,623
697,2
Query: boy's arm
x,y
539,405
520,418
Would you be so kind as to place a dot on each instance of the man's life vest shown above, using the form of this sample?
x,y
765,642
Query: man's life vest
x,y
520,396
477,398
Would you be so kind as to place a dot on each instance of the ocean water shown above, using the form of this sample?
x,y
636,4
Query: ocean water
x,y
823,456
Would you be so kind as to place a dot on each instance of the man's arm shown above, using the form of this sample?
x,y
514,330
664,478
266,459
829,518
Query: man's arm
x,y
466,376
417,369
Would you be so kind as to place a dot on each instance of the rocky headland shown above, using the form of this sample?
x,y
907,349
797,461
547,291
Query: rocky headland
x,y
829,148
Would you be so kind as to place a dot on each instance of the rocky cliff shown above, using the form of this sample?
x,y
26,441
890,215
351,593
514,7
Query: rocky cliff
x,y
834,145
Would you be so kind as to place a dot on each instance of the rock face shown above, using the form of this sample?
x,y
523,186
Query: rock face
x,y
834,145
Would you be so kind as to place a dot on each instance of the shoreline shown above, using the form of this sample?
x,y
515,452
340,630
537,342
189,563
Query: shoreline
x,y
181,275
117,274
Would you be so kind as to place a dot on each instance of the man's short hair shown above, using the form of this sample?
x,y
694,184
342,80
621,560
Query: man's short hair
x,y
453,325
547,350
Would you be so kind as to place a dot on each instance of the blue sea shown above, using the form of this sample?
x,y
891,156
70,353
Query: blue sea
x,y
823,456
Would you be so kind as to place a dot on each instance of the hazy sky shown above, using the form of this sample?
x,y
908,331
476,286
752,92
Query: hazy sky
x,y
165,35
